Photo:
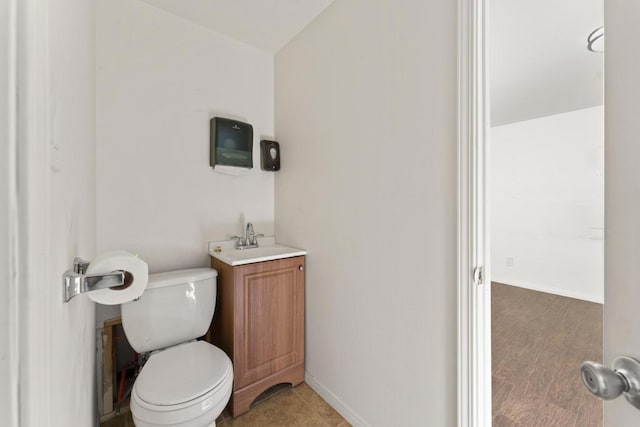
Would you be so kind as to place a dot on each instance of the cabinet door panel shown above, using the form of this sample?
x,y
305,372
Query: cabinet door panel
x,y
271,319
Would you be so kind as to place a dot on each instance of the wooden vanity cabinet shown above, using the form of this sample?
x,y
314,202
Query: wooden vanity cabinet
x,y
259,323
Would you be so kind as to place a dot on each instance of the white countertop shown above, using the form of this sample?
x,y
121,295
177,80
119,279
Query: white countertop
x,y
267,250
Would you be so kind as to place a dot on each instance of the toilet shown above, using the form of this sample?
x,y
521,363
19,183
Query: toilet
x,y
185,383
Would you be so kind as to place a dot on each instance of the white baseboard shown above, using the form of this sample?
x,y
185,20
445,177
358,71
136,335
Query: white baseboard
x,y
551,290
347,413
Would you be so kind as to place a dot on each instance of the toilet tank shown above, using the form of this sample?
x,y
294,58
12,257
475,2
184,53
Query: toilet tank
x,y
176,307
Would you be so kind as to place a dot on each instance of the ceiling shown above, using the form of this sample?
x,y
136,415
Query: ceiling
x,y
265,24
539,64
538,61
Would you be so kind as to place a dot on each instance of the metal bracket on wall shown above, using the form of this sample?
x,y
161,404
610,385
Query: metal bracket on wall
x,y
77,282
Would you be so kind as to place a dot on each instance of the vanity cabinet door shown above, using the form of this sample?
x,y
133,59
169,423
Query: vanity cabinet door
x,y
269,318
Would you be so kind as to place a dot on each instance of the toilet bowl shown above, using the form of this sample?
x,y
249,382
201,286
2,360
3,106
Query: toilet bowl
x,y
184,382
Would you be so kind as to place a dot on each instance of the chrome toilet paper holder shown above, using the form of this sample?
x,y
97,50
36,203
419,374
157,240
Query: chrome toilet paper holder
x,y
77,282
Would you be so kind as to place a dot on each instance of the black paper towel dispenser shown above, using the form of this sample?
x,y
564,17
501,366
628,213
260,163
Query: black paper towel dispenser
x,y
231,143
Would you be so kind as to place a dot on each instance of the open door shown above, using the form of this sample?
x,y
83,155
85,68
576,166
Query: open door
x,y
622,195
622,209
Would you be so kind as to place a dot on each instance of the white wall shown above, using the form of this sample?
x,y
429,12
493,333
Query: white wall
x,y
622,193
57,203
366,119
547,204
160,79
538,61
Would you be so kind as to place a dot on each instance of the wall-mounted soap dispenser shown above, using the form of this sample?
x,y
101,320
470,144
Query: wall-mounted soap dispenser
x,y
231,143
270,155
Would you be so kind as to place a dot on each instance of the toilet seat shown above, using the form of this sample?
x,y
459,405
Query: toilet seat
x,y
185,385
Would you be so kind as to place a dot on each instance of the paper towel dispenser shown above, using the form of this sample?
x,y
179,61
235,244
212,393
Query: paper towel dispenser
x,y
231,143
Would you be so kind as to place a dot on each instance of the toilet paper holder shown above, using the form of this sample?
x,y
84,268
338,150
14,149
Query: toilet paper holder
x,y
76,281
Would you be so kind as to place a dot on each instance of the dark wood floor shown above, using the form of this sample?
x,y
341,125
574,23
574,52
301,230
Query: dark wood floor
x,y
538,343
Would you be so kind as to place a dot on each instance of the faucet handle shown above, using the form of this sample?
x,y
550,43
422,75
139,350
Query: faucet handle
x,y
255,238
240,240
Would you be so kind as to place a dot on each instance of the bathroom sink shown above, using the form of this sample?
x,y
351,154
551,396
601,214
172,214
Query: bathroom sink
x,y
268,250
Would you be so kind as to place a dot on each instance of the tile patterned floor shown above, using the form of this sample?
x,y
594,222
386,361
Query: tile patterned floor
x,y
299,406
539,341
286,407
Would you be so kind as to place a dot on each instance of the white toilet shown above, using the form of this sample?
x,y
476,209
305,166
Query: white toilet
x,y
184,383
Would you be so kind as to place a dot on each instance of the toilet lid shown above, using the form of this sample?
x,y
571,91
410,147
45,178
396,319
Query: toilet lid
x,y
182,373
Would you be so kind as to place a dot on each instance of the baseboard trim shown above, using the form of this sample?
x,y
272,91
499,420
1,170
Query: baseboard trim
x,y
551,290
347,413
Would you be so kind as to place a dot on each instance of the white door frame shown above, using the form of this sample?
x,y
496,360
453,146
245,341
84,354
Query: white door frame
x,y
474,299
33,129
9,277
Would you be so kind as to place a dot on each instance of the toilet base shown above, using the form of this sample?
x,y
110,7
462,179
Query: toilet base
x,y
138,423
242,399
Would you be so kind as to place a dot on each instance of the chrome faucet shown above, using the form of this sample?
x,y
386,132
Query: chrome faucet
x,y
250,239
250,235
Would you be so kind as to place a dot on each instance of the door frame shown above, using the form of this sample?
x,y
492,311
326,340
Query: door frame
x,y
9,259
474,293
33,329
